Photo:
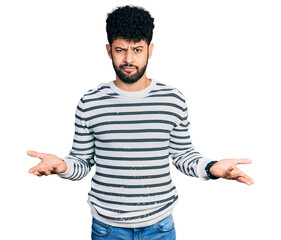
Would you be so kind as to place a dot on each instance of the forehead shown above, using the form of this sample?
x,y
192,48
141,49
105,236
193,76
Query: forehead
x,y
127,43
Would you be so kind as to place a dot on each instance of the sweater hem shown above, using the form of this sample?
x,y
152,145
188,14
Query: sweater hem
x,y
144,223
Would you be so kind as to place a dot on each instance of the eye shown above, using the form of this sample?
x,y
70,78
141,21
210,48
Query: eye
x,y
119,50
137,50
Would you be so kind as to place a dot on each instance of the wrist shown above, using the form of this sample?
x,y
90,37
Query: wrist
x,y
208,170
64,167
69,168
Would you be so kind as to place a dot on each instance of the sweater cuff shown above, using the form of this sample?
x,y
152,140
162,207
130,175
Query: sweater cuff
x,y
70,168
202,174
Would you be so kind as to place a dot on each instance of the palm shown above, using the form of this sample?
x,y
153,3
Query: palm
x,y
50,164
226,168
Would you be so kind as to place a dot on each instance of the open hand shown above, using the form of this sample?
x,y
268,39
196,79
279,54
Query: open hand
x,y
50,164
226,168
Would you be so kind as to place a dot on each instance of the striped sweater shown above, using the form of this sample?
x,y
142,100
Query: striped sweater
x,y
130,136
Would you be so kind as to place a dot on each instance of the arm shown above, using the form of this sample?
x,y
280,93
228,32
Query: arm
x,y
192,163
184,156
78,162
81,157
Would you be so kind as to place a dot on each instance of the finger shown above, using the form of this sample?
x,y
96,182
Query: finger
x,y
244,180
243,161
252,180
249,178
35,154
31,170
42,171
47,172
238,173
235,175
229,170
37,173
55,168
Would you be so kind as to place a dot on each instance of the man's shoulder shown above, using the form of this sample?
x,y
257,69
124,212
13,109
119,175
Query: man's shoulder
x,y
97,92
171,89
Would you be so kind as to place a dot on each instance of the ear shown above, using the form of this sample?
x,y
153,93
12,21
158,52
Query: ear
x,y
108,49
151,45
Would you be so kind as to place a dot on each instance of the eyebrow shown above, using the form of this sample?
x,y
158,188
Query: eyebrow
x,y
126,48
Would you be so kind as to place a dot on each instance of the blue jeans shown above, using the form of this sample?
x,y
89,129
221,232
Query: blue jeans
x,y
163,230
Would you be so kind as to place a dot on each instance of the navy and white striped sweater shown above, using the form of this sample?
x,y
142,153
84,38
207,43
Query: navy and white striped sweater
x,y
130,136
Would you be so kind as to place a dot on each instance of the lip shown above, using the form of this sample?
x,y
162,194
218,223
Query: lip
x,y
128,69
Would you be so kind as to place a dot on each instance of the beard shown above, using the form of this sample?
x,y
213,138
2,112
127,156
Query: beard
x,y
127,77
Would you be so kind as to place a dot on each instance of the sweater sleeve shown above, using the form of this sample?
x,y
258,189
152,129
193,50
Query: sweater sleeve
x,y
184,157
81,157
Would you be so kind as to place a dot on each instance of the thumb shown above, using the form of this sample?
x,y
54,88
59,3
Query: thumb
x,y
243,161
35,154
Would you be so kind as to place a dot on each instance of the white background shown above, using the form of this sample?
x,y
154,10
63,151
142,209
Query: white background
x,y
224,56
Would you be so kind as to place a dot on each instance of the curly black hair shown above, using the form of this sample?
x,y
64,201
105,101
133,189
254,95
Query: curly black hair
x,y
131,23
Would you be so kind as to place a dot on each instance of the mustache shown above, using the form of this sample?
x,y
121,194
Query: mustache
x,y
128,65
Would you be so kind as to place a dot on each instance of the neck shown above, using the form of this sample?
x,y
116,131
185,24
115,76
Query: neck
x,y
139,85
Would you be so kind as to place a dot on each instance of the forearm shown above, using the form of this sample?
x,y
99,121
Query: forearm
x,y
76,168
192,163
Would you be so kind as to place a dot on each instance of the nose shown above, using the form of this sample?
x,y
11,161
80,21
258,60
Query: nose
x,y
128,58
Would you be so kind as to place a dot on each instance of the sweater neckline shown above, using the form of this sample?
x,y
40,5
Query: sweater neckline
x,y
135,94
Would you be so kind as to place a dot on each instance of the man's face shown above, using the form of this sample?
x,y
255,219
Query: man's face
x,y
129,59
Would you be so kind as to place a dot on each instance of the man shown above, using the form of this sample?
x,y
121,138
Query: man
x,y
129,128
